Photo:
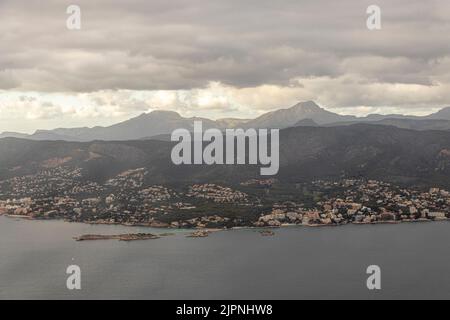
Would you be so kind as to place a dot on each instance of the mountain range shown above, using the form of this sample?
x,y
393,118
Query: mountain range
x,y
157,123
307,153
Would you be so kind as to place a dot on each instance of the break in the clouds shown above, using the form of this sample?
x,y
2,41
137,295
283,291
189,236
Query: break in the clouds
x,y
218,58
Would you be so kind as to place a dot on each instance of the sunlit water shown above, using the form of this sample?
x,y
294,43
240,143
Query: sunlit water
x,y
296,263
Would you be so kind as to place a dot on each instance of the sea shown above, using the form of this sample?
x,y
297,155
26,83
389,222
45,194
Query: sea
x,y
295,263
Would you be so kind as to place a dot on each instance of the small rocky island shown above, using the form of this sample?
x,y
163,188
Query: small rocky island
x,y
199,234
137,236
120,237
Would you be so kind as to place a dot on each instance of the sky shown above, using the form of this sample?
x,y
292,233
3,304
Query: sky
x,y
218,59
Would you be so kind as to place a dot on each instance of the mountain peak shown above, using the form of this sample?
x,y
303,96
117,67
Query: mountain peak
x,y
307,106
162,113
158,114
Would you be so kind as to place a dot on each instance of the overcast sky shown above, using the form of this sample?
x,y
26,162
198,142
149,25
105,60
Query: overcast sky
x,y
227,58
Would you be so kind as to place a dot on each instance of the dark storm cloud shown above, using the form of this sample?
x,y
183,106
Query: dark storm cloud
x,y
184,44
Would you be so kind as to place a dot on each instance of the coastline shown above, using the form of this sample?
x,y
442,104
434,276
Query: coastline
x,y
199,232
285,225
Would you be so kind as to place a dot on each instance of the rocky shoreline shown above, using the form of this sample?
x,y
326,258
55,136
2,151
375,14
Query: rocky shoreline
x,y
169,227
120,237
205,232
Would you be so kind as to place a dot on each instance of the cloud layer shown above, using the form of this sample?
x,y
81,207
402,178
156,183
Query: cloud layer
x,y
227,58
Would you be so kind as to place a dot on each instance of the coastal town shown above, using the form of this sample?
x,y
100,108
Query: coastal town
x,y
127,199
363,202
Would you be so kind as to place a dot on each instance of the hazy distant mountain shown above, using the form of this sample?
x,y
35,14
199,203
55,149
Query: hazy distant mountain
x,y
162,123
52,135
146,125
230,123
306,123
443,114
284,118
404,123
7,134
361,150
378,117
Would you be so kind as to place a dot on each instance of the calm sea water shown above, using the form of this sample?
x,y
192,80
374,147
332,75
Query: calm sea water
x,y
296,263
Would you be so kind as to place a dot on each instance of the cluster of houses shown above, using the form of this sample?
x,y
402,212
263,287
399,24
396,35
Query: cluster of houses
x,y
62,193
217,193
128,179
214,221
362,201
259,182
60,180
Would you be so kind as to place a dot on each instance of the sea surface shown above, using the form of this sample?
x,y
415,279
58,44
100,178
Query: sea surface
x,y
295,263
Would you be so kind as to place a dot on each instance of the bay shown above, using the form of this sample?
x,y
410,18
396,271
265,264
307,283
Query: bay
x,y
295,263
